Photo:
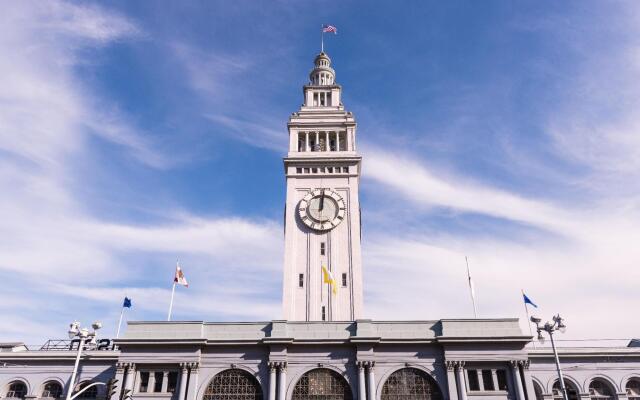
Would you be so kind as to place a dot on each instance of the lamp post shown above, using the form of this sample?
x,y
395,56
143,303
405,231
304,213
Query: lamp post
x,y
550,328
84,335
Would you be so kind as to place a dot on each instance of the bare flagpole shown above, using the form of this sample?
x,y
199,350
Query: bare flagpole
x,y
120,323
471,290
173,292
526,310
322,39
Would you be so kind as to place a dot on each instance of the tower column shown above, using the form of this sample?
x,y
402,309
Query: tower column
x,y
306,141
282,381
372,380
272,381
184,371
362,386
462,386
451,380
515,369
337,141
326,140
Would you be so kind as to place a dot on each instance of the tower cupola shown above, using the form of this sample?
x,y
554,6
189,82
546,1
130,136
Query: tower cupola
x,y
322,73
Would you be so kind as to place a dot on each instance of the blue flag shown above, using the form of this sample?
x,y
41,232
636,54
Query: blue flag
x,y
127,302
528,300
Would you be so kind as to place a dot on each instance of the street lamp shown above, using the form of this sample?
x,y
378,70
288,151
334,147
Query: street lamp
x,y
84,335
557,325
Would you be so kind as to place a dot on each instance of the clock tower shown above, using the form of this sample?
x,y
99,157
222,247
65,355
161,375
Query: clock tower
x,y
322,211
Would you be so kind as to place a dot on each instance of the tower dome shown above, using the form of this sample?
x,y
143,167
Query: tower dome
x,y
322,73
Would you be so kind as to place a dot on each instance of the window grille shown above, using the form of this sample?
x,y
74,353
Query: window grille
x,y
344,280
52,390
633,389
233,384
17,390
501,374
538,391
300,280
321,384
472,375
410,384
599,390
572,392
90,393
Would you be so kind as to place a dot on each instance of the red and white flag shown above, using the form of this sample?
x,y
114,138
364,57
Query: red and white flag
x,y
329,28
179,278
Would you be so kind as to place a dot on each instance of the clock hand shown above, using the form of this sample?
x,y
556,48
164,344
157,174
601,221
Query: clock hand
x,y
321,200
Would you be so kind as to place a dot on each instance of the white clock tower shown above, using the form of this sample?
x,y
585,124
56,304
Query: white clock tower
x,y
322,214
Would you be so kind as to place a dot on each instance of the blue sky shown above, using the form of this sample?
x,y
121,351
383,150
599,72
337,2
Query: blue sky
x,y
135,134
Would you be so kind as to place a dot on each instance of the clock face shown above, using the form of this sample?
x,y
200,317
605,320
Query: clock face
x,y
321,209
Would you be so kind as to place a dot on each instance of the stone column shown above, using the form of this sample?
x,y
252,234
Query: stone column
x,y
192,389
165,381
462,385
152,382
306,141
515,372
371,380
282,381
451,380
326,141
182,390
317,146
120,367
272,381
362,388
131,374
528,381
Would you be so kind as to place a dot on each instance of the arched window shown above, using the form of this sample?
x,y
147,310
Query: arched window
x,y
410,384
600,390
17,390
90,393
572,390
233,384
633,389
538,391
322,384
52,390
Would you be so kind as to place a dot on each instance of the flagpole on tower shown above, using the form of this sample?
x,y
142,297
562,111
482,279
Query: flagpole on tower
x,y
473,294
322,39
120,323
173,292
526,310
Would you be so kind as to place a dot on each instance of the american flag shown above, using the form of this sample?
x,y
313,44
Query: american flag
x,y
329,28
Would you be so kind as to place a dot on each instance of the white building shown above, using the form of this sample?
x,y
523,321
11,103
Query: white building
x,y
324,350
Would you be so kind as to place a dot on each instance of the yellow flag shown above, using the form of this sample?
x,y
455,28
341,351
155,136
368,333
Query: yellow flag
x,y
328,278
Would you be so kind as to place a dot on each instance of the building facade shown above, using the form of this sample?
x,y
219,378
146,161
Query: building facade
x,y
324,350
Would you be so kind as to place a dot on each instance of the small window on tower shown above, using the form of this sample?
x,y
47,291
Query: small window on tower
x,y
330,170
324,314
329,98
314,170
344,280
322,249
300,280
306,170
322,170
315,99
298,170
345,169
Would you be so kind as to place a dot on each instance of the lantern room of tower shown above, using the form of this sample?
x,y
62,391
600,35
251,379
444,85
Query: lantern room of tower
x,y
322,126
